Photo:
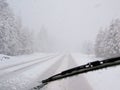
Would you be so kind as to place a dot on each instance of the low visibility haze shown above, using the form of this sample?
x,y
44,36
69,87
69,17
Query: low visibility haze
x,y
69,23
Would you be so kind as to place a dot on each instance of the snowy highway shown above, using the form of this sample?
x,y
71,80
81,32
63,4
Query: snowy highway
x,y
23,75
29,72
23,65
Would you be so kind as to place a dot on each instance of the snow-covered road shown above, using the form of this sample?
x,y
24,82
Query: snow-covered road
x,y
23,76
23,65
106,79
24,73
73,83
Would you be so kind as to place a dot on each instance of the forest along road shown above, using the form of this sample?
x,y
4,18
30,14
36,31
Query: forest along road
x,y
24,65
23,78
78,82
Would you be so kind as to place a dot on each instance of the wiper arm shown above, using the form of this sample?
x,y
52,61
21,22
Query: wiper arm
x,y
91,66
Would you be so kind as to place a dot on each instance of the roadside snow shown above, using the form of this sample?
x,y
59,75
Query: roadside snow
x,y
25,79
13,60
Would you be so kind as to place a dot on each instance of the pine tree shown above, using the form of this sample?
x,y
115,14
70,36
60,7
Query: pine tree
x,y
13,39
108,41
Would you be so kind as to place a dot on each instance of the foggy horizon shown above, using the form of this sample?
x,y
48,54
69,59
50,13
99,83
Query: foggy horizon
x,y
69,23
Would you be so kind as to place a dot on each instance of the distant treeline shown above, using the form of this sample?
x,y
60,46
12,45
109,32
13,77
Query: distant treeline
x,y
108,41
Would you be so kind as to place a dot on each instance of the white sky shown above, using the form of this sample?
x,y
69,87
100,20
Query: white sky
x,y
69,22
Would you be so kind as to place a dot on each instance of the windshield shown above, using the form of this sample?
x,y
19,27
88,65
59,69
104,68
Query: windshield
x,y
42,38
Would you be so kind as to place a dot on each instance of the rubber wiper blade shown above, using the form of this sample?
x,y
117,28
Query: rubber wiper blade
x,y
41,85
91,66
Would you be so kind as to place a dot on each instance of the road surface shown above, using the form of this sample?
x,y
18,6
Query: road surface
x,y
23,75
26,75
73,83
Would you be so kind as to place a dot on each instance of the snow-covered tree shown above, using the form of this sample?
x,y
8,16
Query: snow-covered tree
x,y
12,38
8,35
26,40
100,43
108,41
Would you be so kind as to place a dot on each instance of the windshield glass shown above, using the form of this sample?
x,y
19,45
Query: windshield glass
x,y
41,38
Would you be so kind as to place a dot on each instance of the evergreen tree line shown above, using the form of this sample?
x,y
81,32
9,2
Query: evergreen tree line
x,y
14,38
108,41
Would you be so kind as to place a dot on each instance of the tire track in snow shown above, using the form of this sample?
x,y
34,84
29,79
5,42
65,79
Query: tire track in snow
x,y
72,83
78,82
60,84
49,72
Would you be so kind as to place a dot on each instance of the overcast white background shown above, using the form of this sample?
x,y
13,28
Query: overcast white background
x,y
68,22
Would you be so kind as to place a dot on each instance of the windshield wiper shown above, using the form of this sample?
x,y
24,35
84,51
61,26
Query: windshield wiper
x,y
91,66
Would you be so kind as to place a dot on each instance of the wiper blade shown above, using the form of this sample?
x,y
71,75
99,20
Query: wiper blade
x,y
91,66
